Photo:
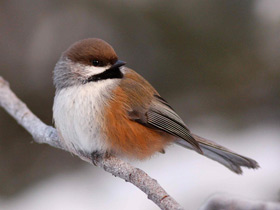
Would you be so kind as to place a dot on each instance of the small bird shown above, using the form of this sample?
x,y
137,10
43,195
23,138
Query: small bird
x,y
102,107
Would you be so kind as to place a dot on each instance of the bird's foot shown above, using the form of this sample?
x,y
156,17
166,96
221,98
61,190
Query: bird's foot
x,y
96,156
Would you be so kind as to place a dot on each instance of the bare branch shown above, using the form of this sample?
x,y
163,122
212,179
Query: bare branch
x,y
220,202
43,133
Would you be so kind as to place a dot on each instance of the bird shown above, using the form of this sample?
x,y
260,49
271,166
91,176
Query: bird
x,y
101,107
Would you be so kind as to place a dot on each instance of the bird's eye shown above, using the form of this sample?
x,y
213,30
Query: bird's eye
x,y
95,62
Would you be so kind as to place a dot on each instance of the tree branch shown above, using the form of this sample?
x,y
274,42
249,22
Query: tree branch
x,y
220,202
43,133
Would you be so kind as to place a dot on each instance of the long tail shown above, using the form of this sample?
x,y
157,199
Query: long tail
x,y
216,152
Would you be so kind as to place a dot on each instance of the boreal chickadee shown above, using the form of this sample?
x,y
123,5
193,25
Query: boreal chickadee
x,y
101,106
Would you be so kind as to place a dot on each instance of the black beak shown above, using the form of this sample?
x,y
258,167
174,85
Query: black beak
x,y
118,64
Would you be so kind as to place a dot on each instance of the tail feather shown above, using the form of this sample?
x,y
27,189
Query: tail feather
x,y
216,152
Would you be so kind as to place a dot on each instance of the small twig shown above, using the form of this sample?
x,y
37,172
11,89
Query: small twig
x,y
220,202
43,133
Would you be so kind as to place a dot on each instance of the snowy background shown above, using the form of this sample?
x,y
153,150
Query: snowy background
x,y
216,62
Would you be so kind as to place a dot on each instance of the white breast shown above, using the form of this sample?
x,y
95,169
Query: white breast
x,y
78,115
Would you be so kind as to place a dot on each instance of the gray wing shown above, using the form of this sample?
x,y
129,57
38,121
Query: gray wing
x,y
160,115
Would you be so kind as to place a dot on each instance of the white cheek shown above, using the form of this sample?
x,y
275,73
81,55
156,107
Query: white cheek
x,y
92,70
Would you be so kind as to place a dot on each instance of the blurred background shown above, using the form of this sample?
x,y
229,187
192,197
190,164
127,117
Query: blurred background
x,y
216,62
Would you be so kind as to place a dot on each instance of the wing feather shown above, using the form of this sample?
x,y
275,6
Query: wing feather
x,y
163,117
148,108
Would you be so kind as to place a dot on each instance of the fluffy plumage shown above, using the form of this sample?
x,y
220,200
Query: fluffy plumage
x,y
102,107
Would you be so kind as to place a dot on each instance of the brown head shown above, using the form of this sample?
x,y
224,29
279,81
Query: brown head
x,y
91,52
88,60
